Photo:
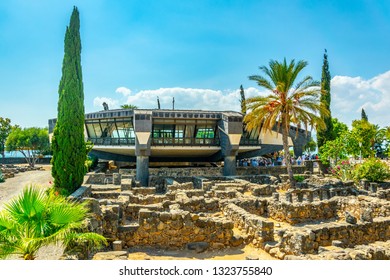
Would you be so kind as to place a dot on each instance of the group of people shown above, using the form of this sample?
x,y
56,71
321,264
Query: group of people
x,y
276,160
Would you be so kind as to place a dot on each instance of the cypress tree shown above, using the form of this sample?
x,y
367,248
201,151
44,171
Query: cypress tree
x,y
326,134
68,145
364,115
242,100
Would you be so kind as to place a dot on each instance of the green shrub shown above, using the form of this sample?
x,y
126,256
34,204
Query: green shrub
x,y
344,171
90,163
299,178
373,170
2,179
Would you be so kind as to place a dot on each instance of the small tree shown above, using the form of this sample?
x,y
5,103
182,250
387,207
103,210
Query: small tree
x,y
31,142
310,146
5,130
361,138
339,128
334,150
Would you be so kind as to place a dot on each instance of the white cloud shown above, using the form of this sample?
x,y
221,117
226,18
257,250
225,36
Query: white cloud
x,y
351,94
98,102
190,98
123,90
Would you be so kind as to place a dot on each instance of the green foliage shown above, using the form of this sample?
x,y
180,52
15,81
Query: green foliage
x,y
35,219
364,133
334,150
373,170
299,178
310,146
242,100
5,130
343,171
31,142
2,179
326,133
68,145
90,163
339,128
287,103
129,106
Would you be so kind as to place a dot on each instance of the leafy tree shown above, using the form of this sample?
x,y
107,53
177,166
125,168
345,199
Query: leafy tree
x,y
335,150
68,143
387,140
361,138
286,104
129,106
36,219
5,130
310,146
339,128
364,115
326,133
31,142
242,100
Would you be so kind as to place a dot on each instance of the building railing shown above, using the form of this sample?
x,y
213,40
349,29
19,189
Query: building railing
x,y
188,141
108,141
250,142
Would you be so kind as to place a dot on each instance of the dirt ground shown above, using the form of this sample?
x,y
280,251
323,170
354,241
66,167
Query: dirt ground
x,y
242,253
13,186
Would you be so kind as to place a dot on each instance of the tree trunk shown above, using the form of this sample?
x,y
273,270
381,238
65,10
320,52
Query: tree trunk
x,y
287,155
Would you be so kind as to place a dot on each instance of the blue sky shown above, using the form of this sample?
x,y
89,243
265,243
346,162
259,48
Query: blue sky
x,y
199,52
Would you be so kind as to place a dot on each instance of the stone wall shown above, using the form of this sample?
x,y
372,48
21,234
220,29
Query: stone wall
x,y
22,160
218,171
259,230
294,213
175,229
307,241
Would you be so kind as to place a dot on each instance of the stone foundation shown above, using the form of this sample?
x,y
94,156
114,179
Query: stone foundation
x,y
189,212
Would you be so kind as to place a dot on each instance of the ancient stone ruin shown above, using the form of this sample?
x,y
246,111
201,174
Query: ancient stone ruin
x,y
322,218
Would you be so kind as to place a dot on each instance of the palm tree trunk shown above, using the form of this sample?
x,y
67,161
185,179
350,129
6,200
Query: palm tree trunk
x,y
287,155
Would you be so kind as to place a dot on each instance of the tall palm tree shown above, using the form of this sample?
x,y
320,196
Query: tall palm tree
x,y
35,219
286,104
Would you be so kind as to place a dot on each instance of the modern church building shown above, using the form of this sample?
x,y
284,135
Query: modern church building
x,y
155,135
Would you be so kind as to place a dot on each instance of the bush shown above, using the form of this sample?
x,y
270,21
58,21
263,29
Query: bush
x,y
343,171
373,170
90,163
1,178
299,178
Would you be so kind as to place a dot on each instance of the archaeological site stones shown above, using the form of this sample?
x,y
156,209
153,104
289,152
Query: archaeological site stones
x,y
321,218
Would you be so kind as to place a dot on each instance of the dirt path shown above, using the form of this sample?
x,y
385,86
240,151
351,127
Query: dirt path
x,y
13,186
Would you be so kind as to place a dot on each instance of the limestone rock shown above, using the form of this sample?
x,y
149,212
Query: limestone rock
x,y
350,219
366,216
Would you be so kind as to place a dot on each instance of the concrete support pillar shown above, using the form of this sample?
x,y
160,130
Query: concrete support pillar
x,y
142,174
230,166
